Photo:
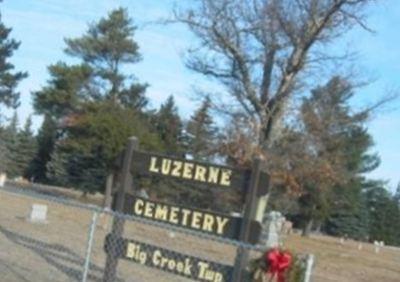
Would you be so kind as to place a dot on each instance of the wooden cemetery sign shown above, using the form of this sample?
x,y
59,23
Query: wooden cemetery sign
x,y
245,228
167,260
198,220
188,170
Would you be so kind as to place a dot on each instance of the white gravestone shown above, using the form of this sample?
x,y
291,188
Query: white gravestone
x,y
3,178
38,213
273,227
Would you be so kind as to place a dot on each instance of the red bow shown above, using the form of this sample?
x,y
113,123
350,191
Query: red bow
x,y
278,262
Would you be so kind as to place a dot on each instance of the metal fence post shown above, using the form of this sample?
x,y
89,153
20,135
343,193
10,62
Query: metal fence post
x,y
309,267
89,247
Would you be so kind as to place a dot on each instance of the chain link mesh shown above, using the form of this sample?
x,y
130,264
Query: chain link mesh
x,y
56,250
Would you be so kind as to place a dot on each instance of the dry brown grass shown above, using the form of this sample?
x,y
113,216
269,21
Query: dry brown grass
x,y
55,251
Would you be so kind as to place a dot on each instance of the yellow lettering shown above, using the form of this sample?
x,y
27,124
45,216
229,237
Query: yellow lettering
x,y
130,250
200,173
187,170
133,252
148,209
226,177
161,212
180,267
157,256
138,208
203,267
221,223
176,171
153,165
173,215
171,264
185,215
166,166
164,261
208,222
196,219
213,173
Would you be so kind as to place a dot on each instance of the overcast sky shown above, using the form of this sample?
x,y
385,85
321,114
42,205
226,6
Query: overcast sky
x,y
42,25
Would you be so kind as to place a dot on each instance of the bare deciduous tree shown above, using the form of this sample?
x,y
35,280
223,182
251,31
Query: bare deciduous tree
x,y
262,50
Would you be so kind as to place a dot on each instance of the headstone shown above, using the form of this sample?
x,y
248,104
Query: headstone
x,y
38,213
272,228
377,245
3,178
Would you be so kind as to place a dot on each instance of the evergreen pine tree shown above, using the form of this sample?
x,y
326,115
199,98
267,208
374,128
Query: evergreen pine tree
x,y
57,167
84,157
96,90
335,138
169,126
45,140
8,79
350,217
105,48
384,214
397,194
201,133
11,147
26,150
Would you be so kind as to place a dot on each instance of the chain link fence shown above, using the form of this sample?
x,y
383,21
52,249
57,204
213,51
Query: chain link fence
x,y
70,244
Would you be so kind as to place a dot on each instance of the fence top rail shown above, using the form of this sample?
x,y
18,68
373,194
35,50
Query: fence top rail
x,y
24,192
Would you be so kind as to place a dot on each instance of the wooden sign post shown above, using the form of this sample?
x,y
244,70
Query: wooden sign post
x,y
250,213
118,222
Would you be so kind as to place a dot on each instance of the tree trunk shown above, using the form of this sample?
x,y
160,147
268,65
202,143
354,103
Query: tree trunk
x,y
307,228
318,226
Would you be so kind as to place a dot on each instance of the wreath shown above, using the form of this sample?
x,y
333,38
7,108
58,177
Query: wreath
x,y
277,265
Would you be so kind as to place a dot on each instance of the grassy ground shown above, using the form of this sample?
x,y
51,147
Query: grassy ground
x,y
55,251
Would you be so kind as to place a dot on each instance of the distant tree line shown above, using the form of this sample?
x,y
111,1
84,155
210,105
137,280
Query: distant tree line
x,y
317,152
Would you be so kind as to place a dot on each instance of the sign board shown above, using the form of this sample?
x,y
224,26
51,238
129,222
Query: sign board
x,y
199,220
251,183
198,172
167,260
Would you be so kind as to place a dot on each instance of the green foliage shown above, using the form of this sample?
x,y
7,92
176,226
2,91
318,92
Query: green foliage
x,y
105,47
68,88
201,133
384,212
350,216
45,139
169,126
8,79
335,142
258,269
94,139
26,150
94,104
10,139
17,148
